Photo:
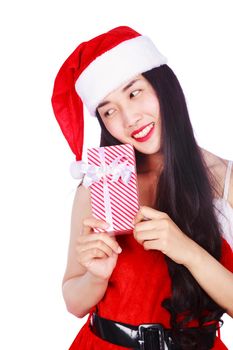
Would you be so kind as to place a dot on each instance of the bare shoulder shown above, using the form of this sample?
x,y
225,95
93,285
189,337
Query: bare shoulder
x,y
216,164
218,167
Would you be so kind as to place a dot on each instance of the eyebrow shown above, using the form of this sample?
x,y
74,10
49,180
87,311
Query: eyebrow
x,y
129,85
123,90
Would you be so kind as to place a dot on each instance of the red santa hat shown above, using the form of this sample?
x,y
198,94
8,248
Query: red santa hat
x,y
92,71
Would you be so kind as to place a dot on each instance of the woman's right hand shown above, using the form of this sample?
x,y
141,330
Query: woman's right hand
x,y
97,252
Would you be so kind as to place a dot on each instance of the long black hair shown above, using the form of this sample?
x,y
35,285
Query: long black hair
x,y
185,193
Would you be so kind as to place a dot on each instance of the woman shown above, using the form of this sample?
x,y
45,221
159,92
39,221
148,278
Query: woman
x,y
161,286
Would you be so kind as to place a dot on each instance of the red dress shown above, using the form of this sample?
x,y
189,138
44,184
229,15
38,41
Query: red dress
x,y
137,287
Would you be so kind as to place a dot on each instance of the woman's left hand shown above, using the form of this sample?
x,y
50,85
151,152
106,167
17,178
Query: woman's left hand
x,y
159,232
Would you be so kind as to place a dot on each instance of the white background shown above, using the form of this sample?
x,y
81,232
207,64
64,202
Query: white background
x,y
36,187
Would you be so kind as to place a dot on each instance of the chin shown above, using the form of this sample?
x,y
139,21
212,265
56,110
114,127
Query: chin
x,y
148,150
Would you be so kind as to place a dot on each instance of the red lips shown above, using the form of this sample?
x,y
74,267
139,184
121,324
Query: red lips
x,y
138,130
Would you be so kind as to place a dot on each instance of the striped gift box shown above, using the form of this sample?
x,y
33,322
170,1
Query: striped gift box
x,y
114,196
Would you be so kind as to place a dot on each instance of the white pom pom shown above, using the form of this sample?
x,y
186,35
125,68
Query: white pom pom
x,y
76,169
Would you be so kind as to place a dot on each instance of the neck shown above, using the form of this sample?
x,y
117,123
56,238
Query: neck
x,y
149,163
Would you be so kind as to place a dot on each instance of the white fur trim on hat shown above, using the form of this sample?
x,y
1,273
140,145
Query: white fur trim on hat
x,y
115,67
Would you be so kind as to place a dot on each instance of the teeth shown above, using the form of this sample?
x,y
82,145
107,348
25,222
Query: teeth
x,y
144,132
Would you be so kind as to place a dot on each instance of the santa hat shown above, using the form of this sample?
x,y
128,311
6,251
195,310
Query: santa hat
x,y
92,71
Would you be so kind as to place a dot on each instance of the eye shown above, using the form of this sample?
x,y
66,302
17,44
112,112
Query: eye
x,y
135,93
109,112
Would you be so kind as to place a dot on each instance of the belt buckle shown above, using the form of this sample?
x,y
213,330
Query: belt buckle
x,y
154,326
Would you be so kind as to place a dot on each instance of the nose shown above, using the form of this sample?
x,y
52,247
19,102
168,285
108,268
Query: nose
x,y
130,117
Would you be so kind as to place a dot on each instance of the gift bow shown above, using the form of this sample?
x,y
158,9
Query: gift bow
x,y
90,173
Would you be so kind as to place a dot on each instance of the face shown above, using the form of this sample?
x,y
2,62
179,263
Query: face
x,y
131,114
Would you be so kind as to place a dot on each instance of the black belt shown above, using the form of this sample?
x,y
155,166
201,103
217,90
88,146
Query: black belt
x,y
143,337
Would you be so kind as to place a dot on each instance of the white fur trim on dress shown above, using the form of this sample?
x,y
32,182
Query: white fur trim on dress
x,y
115,67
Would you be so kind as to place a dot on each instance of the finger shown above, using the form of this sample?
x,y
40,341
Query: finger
x,y
90,223
138,218
151,213
96,244
154,244
104,237
146,225
146,235
156,224
86,257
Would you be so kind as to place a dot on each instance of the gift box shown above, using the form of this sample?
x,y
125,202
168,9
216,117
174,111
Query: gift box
x,y
114,189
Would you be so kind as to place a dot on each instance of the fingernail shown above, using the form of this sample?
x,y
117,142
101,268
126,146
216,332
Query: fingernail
x,y
119,250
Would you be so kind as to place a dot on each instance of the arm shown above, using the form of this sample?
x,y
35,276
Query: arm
x,y
161,233
91,258
216,280
212,276
83,292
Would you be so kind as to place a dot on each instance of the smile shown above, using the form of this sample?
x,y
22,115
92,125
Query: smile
x,y
144,132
